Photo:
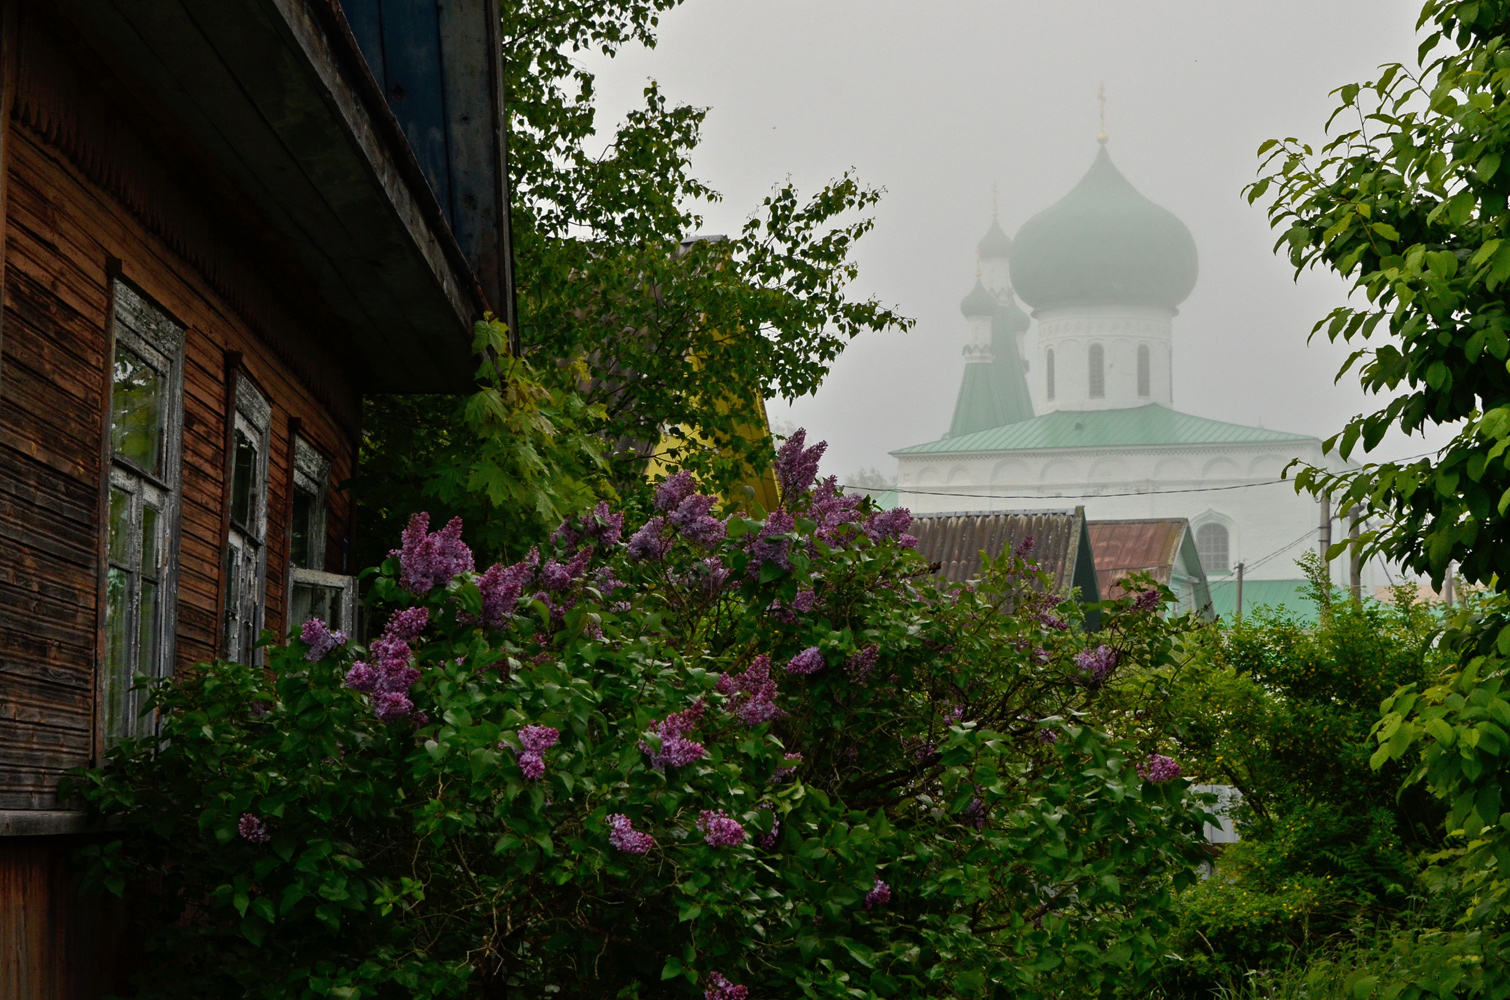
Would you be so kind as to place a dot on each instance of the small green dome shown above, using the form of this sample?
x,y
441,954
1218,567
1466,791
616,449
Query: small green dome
x,y
979,302
1010,319
1104,244
995,245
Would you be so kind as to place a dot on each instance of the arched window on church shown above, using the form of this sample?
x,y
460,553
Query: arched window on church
x,y
1143,372
1097,358
1211,545
1048,372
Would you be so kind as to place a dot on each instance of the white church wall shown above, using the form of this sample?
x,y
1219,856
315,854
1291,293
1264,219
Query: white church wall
x,y
1120,331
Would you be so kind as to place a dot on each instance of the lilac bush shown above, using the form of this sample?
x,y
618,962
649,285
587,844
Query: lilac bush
x,y
666,758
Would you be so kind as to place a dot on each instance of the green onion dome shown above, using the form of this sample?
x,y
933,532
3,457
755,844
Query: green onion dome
x,y
1009,318
1104,244
979,302
995,244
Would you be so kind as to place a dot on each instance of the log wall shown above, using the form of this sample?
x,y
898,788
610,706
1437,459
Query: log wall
x,y
95,188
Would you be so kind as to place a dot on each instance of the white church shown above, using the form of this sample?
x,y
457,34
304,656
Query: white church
x,y
1075,405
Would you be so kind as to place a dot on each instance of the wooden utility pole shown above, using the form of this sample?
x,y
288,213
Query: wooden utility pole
x,y
1239,591
1355,570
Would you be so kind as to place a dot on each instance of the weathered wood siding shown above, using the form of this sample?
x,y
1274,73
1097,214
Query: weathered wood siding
x,y
96,189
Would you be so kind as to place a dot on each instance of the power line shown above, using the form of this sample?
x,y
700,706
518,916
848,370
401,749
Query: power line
x,y
1088,496
1231,581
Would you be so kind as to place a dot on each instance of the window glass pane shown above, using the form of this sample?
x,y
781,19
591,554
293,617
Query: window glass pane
x,y
1049,373
313,600
1143,370
136,411
117,669
302,542
149,542
243,473
120,527
147,650
1211,544
1097,360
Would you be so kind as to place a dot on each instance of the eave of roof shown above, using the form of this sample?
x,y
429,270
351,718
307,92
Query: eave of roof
x,y
1143,426
277,94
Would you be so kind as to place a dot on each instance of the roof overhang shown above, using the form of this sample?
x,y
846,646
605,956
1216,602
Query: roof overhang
x,y
277,94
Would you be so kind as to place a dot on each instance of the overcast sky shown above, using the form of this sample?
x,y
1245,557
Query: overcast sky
x,y
936,100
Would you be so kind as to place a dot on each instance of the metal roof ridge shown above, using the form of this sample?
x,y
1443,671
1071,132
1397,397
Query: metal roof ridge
x,y
1005,511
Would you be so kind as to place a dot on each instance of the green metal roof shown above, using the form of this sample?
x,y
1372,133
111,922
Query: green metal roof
x,y
1292,595
978,406
1140,426
1103,244
979,302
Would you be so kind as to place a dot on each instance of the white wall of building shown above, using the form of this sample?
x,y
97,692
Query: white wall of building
x,y
1119,331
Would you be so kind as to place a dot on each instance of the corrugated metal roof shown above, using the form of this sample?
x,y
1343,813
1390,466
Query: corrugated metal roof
x,y
1060,545
1139,426
1125,547
1164,548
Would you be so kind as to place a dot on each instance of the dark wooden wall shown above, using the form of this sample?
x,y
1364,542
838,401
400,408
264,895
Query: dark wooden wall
x,y
96,187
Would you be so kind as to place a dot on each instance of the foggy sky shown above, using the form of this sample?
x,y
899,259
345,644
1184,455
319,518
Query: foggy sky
x,y
936,101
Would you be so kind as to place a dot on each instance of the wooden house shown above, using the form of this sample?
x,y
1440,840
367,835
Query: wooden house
x,y
224,222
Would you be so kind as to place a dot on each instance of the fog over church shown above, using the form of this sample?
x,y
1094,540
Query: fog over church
x,y
1068,398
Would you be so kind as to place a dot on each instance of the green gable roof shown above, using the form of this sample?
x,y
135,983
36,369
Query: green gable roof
x,y
1140,426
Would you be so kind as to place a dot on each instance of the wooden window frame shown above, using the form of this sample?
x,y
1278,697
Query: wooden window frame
x,y
312,472
245,566
148,331
1226,547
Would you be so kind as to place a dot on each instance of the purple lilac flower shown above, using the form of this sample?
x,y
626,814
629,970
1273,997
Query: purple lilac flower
x,y
832,510
1148,600
809,661
1159,769
555,576
796,467
1050,620
670,493
676,750
768,546
1049,736
502,587
860,664
320,639
1097,662
974,814
720,829
623,836
597,525
782,774
693,519
252,829
1025,547
804,601
768,840
431,560
890,524
879,896
534,740
605,582
390,675
648,543
752,694
1040,655
716,574
720,988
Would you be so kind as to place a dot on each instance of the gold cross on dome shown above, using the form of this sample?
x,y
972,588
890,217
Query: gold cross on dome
x,y
1101,99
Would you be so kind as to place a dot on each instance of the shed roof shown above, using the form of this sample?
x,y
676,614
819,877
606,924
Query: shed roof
x,y
1164,548
279,98
1139,426
1061,546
